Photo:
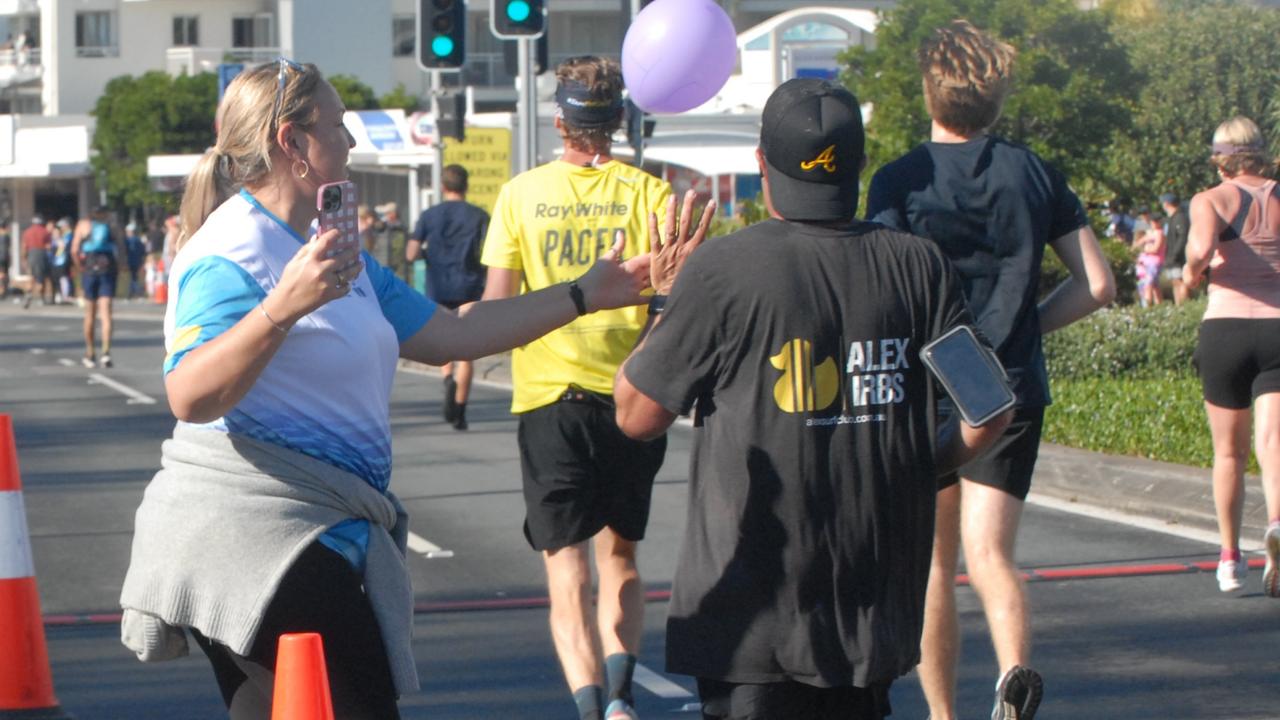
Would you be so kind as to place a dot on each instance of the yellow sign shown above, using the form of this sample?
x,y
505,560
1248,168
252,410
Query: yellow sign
x,y
486,154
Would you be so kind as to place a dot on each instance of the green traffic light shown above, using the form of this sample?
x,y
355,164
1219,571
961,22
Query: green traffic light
x,y
442,46
518,10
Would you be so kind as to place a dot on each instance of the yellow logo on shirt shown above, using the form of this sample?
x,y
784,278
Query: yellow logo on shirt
x,y
827,159
804,385
185,338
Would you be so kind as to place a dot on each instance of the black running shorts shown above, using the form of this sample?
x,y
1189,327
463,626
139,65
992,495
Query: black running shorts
x,y
792,700
1238,359
581,473
1008,464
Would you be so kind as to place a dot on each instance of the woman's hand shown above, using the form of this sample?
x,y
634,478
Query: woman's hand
x,y
321,271
614,283
681,240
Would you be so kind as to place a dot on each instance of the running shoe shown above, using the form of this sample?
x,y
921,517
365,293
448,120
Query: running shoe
x,y
1231,574
450,399
1018,694
620,710
1271,575
88,362
105,361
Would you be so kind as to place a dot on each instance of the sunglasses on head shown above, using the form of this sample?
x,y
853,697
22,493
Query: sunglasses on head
x,y
285,65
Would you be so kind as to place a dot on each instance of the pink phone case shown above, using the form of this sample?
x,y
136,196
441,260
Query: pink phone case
x,y
337,205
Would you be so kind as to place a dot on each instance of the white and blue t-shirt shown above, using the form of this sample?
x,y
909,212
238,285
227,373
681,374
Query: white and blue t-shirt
x,y
326,391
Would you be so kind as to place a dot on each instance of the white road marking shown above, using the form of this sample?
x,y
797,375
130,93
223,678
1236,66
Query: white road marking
x,y
1137,521
66,362
135,397
426,548
658,685
38,351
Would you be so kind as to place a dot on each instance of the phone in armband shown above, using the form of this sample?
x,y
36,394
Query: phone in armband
x,y
337,204
970,373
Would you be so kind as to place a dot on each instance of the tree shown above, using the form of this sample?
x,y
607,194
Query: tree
x,y
154,114
1201,63
399,98
355,94
1071,81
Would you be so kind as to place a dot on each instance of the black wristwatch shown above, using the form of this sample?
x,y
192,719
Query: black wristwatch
x,y
575,294
656,304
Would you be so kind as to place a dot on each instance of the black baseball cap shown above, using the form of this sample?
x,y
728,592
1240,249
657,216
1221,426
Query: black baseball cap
x,y
812,139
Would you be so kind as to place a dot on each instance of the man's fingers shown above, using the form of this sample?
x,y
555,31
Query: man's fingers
x,y
614,253
686,213
671,218
704,224
655,237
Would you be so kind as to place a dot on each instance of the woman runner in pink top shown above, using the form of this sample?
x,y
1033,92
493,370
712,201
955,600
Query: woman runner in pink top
x,y
1235,234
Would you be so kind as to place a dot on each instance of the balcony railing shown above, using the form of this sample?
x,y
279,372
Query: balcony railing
x,y
196,60
11,57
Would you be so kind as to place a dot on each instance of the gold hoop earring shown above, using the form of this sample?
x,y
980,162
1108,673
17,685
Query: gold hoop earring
x,y
305,169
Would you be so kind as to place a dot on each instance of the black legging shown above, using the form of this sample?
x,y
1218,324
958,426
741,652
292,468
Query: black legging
x,y
321,593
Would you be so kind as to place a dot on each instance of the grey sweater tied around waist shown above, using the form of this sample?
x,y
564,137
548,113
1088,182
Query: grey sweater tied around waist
x,y
221,524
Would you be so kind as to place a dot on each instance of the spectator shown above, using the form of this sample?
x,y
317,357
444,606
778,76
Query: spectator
x,y
272,512
6,259
36,243
1235,233
135,255
1175,233
992,207
1150,245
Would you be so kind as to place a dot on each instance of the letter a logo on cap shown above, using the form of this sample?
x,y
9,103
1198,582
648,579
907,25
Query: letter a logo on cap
x,y
827,159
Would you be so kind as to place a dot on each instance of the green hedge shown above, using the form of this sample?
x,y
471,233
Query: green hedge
x,y
1127,342
1123,383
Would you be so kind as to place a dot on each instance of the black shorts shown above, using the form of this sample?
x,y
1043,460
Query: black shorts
x,y
791,701
582,474
1008,464
320,593
39,266
1238,359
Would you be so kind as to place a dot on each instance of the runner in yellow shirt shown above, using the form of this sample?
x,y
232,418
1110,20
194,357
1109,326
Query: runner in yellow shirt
x,y
583,479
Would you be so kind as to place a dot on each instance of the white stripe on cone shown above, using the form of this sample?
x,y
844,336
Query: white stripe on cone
x,y
15,545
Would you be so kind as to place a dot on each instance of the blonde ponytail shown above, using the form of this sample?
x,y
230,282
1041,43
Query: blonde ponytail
x,y
206,189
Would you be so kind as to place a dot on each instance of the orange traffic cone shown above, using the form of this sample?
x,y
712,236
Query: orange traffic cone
x,y
302,681
26,684
162,284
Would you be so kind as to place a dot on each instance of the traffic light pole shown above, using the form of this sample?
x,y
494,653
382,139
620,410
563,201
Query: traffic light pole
x,y
528,106
437,144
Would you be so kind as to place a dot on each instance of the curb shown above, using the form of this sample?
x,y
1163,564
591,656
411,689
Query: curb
x,y
1174,494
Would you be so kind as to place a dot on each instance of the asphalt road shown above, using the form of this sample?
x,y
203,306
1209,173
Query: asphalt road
x,y
1158,643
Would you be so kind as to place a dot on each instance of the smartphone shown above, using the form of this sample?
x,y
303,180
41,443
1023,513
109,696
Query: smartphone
x,y
970,373
337,204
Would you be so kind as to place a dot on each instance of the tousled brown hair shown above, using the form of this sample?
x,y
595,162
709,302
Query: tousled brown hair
x,y
246,135
967,75
603,77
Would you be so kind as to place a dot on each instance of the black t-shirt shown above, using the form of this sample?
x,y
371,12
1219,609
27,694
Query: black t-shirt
x,y
991,206
1175,248
453,232
812,482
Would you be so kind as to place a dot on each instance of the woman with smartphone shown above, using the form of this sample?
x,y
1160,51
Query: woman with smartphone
x,y
1235,235
272,512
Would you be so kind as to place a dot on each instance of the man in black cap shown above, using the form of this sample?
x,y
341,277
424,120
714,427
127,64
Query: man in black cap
x,y
800,587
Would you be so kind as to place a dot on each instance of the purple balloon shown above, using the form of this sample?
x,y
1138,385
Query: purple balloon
x,y
678,54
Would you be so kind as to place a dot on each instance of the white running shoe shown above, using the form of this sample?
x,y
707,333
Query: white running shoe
x,y
88,362
620,710
1231,574
1271,575
105,361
